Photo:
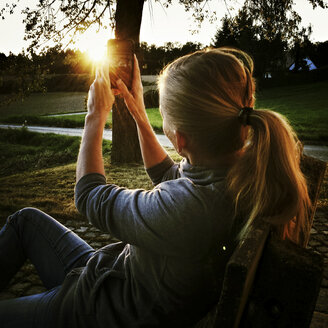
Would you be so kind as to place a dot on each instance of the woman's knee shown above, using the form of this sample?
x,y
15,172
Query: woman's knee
x,y
25,214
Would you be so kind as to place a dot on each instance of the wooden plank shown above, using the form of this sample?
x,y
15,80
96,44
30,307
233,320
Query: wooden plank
x,y
285,288
240,274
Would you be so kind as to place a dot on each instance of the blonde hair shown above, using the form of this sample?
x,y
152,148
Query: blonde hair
x,y
202,95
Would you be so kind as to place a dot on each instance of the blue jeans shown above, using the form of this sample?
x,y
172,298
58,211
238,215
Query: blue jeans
x,y
52,248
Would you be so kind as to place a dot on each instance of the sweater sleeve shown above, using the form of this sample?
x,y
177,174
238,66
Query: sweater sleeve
x,y
159,220
164,171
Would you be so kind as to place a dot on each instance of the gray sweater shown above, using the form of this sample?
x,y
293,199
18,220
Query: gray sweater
x,y
167,270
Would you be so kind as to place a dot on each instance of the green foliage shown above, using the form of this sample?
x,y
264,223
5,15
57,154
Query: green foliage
x,y
151,98
68,82
269,31
19,77
155,58
58,19
251,30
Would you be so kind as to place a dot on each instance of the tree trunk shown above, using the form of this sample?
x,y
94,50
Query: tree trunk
x,y
125,144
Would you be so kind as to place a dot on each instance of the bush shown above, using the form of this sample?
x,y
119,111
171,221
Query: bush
x,y
293,78
52,83
68,82
151,98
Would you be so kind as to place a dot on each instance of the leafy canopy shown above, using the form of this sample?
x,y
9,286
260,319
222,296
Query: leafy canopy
x,y
62,20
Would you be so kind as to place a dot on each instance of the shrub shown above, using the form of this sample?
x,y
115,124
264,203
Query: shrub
x,y
68,82
151,98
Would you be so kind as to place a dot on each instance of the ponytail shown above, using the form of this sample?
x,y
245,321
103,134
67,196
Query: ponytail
x,y
266,182
209,96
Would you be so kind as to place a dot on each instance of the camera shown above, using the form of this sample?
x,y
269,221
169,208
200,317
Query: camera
x,y
120,54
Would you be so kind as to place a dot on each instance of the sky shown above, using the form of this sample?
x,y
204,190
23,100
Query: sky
x,y
159,25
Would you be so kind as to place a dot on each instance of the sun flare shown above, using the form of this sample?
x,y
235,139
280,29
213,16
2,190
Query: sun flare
x,y
96,54
95,45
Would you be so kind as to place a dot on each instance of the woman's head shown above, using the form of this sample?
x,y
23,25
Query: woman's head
x,y
201,95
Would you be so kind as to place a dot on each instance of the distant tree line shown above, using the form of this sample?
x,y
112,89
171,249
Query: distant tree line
x,y
52,61
269,55
72,70
154,58
58,61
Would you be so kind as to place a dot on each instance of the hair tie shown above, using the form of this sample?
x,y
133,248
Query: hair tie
x,y
244,115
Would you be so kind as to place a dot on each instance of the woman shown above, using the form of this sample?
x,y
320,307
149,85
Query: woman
x,y
239,165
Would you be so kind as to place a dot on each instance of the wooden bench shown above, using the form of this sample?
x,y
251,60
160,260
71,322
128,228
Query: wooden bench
x,y
270,282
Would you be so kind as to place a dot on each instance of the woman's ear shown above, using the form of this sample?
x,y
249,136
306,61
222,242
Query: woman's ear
x,y
181,141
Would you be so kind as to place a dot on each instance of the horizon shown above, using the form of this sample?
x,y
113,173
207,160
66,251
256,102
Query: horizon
x,y
159,26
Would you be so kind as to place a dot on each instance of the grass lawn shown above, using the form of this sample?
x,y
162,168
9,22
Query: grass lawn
x,y
39,170
305,106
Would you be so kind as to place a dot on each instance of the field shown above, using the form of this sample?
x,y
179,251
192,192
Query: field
x,y
46,103
305,106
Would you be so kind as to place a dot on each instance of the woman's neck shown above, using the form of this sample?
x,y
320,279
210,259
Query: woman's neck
x,y
196,159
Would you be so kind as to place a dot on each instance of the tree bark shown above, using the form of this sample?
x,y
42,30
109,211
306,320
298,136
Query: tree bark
x,y
125,142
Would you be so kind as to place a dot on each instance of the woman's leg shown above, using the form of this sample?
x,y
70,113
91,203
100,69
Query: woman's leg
x,y
51,247
35,311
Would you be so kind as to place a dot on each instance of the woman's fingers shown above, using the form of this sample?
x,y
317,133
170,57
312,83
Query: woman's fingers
x,y
128,97
134,98
101,97
125,92
116,92
136,69
122,87
136,83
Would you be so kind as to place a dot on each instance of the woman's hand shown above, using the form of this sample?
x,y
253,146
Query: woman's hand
x,y
100,97
134,98
152,152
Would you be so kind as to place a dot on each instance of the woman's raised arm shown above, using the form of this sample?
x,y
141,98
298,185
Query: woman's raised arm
x,y
100,102
152,152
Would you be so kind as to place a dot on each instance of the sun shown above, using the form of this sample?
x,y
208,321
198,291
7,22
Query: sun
x,y
96,54
94,44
